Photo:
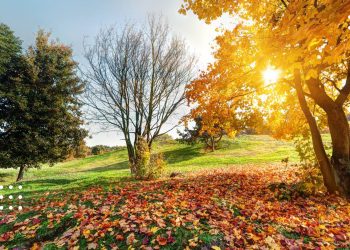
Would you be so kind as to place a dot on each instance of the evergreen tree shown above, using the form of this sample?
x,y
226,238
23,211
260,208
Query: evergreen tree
x,y
40,110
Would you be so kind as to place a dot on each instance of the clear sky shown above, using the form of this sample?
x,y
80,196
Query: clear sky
x,y
73,21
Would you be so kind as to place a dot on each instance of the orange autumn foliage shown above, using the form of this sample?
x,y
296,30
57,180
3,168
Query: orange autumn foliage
x,y
309,42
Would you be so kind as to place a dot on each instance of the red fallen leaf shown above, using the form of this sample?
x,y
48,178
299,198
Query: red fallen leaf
x,y
145,241
340,237
171,239
106,225
249,229
36,221
105,210
3,221
161,222
283,242
239,242
5,237
130,239
119,237
144,230
162,240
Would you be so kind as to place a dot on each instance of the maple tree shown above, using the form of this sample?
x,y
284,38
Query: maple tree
x,y
197,134
220,108
309,42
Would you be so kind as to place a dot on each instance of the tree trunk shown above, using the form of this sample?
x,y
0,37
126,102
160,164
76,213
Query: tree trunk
x,y
212,144
339,130
150,145
131,154
20,173
322,158
132,164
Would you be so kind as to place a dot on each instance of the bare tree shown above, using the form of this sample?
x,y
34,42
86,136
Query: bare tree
x,y
136,80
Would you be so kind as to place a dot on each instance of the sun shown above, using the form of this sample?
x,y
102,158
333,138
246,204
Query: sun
x,y
271,75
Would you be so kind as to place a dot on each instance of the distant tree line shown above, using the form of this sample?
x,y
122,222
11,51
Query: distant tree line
x,y
101,149
83,151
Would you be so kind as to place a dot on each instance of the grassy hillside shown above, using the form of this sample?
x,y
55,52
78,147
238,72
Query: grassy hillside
x,y
113,166
249,203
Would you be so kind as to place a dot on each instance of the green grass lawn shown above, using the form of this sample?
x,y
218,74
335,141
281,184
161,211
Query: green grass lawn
x,y
113,166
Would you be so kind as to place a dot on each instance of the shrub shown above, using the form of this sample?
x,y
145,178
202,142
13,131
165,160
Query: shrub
x,y
157,166
309,172
142,160
147,166
79,151
101,149
98,149
283,191
165,139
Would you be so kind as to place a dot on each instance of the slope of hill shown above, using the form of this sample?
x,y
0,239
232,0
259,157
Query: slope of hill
x,y
113,166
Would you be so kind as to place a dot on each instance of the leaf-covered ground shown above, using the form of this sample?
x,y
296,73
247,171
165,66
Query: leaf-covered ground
x,y
242,207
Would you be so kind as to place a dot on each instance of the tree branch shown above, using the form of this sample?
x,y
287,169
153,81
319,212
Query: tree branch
x,y
284,3
345,91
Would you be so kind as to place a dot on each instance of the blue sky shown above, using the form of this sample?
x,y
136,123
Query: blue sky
x,y
76,21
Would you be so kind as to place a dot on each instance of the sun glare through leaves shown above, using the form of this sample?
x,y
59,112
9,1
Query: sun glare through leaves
x,y
271,75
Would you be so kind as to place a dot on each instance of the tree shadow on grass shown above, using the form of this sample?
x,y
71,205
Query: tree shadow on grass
x,y
43,184
3,176
63,186
49,182
182,154
117,166
72,185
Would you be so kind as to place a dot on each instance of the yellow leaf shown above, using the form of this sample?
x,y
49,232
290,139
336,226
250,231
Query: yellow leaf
x,y
313,44
271,243
154,229
86,233
35,247
215,248
183,204
312,73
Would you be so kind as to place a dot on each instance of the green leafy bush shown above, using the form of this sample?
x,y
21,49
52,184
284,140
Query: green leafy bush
x,y
142,160
283,191
310,174
156,166
101,149
147,166
165,139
